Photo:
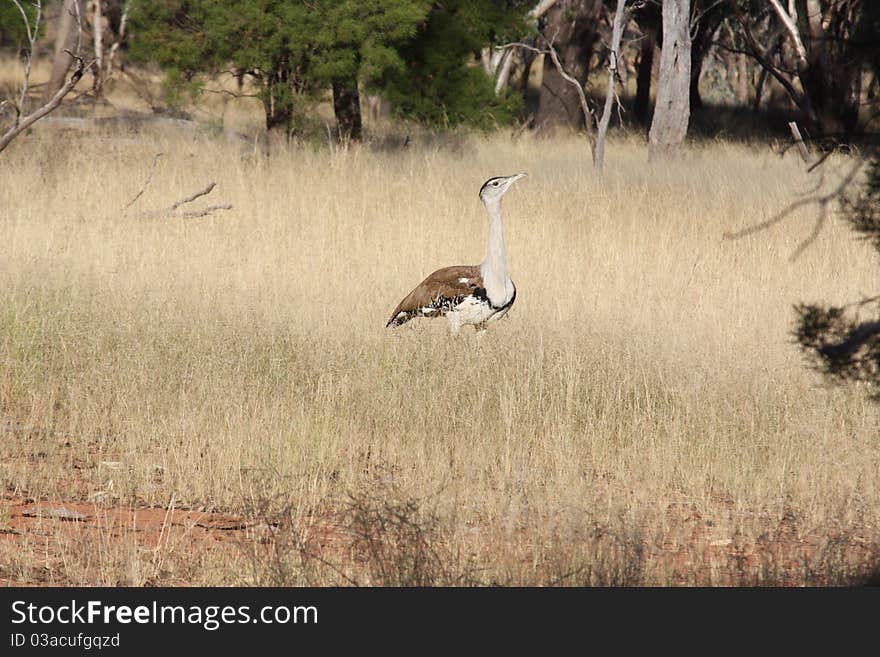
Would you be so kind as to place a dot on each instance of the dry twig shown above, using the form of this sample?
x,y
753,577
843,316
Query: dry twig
x,y
173,209
147,183
192,197
203,213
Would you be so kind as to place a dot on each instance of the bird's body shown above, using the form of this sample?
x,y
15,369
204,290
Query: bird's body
x,y
468,294
457,292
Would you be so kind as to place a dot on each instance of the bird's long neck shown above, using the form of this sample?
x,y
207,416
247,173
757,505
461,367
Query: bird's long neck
x,y
494,265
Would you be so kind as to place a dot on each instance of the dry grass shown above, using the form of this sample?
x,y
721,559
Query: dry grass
x,y
640,417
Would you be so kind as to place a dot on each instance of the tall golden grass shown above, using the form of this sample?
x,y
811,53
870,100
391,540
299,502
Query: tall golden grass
x,y
643,384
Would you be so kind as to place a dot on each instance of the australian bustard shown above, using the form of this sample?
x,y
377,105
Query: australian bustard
x,y
468,294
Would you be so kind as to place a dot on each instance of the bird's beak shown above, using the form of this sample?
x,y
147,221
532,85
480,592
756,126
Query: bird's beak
x,y
512,179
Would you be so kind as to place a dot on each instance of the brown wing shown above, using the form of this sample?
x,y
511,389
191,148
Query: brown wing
x,y
438,293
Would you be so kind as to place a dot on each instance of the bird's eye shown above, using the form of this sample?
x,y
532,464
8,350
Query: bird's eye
x,y
495,184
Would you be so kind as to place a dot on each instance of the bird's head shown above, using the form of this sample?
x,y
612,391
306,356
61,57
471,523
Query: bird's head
x,y
495,188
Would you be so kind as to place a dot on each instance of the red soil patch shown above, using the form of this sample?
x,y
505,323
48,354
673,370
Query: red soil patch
x,y
687,548
25,523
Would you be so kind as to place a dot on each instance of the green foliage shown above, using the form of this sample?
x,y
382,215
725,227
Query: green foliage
x,y
438,86
179,88
419,53
191,37
359,39
288,48
12,27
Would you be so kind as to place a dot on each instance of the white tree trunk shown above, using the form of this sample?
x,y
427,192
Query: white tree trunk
x,y
672,108
614,61
98,33
789,22
504,71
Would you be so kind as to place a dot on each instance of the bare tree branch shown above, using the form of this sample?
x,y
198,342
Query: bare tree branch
x,y
505,66
798,98
789,21
596,127
585,108
29,57
53,103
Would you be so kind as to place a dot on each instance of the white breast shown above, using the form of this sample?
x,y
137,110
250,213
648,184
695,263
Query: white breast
x,y
471,311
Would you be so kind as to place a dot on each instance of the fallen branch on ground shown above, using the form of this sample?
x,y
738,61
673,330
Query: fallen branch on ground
x,y
202,213
173,209
147,183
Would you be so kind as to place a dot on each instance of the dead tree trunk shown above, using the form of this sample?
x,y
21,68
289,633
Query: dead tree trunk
x,y
672,109
347,107
66,39
572,27
614,61
98,35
